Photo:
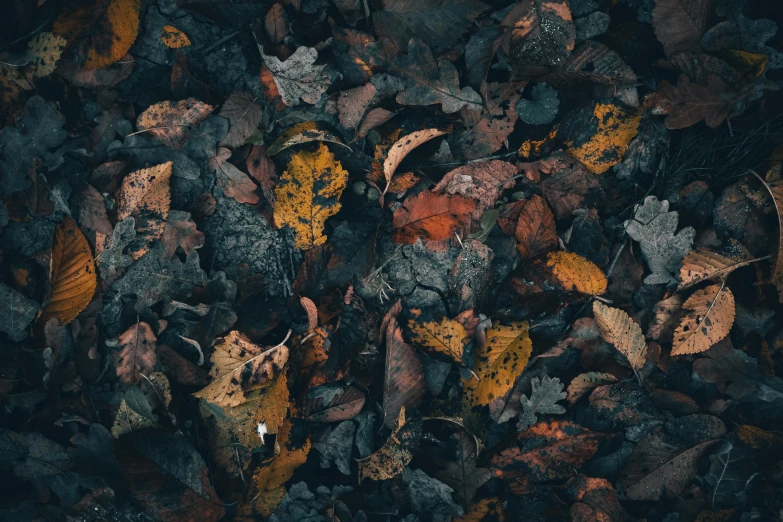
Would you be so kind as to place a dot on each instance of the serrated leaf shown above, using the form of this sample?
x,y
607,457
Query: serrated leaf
x,y
619,330
709,318
298,77
309,193
543,400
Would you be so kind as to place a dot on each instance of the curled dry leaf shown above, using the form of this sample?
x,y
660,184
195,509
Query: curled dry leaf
x,y
309,193
402,148
72,275
240,367
585,382
145,196
304,132
544,396
137,355
574,272
708,319
445,337
701,265
403,384
235,183
499,361
619,330
431,216
396,452
99,34
173,38
171,122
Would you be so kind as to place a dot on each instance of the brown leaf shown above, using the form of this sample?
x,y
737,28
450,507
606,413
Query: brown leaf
x,y
396,452
92,212
591,62
304,132
137,355
430,216
488,130
701,264
666,315
276,24
535,230
95,78
312,312
480,181
262,169
679,24
709,317
171,122
374,118
180,369
353,103
235,183
619,330
463,476
341,407
244,114
585,382
542,32
72,276
403,384
402,148
571,188
145,195
688,103
180,231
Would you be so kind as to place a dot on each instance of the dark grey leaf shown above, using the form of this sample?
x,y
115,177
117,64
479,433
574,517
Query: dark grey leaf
x,y
542,108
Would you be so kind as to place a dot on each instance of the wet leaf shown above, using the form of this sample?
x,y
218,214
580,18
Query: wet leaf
x,y
145,196
542,32
708,319
308,194
353,104
171,122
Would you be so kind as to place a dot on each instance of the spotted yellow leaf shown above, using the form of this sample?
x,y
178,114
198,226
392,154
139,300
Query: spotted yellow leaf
x,y
447,337
576,273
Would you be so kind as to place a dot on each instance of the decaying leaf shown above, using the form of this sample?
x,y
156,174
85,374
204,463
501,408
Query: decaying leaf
x,y
499,361
396,452
708,319
335,446
482,182
309,193
619,330
403,384
402,148
585,382
235,183
171,122
298,77
180,232
574,272
431,216
304,132
702,264
244,114
173,38
99,35
543,400
679,25
137,354
72,274
16,312
145,196
446,337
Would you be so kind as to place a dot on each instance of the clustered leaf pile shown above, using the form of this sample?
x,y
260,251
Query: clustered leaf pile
x,y
415,260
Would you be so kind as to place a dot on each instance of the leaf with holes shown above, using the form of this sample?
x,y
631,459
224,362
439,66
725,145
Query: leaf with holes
x,y
709,317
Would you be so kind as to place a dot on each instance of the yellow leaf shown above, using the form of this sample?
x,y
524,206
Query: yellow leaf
x,y
396,452
127,420
618,329
616,127
499,362
102,34
145,195
240,367
485,510
309,193
173,38
71,274
710,317
576,273
269,481
448,337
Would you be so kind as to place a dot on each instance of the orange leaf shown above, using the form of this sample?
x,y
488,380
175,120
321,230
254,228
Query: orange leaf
x,y
170,121
145,195
576,273
430,215
447,337
71,274
535,230
173,38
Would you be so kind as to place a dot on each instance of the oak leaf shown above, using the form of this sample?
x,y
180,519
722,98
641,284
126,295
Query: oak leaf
x,y
619,330
244,114
543,399
403,384
298,77
445,337
173,38
309,193
170,122
500,359
396,452
234,183
72,275
145,196
585,382
574,272
708,319
137,353
240,367
594,500
99,35
431,216
180,232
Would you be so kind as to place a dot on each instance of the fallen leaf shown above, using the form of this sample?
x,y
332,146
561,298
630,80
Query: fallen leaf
x,y
482,182
335,445
429,497
500,359
542,108
72,276
535,230
445,337
570,188
484,510
239,367
262,169
133,414
487,131
395,454
679,25
541,32
137,354
309,193
463,475
304,132
336,406
244,114
375,118
403,384
574,272
16,312
701,264
276,23
180,232
171,122
543,400
708,319
594,500
619,330
591,62
431,216
145,196
353,104
585,382
173,38
402,147
298,77
45,49
234,183
102,34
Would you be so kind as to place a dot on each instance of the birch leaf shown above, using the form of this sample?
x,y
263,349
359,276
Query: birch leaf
x,y
708,319
618,329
